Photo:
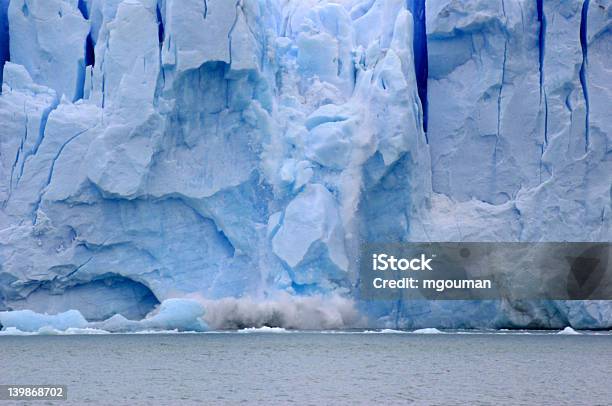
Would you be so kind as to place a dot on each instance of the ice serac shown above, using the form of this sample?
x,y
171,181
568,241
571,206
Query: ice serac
x,y
483,75
208,23
48,38
571,203
163,157
519,75
311,224
25,110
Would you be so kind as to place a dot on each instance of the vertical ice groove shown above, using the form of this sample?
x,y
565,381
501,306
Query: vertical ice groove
x,y
160,26
103,89
231,31
43,126
80,79
103,71
160,38
501,87
83,9
542,50
4,37
41,135
205,12
88,55
17,156
417,7
503,78
583,68
15,165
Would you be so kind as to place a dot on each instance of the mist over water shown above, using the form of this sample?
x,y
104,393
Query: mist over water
x,y
291,312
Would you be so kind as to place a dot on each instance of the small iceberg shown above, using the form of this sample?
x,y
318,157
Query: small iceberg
x,y
427,331
13,331
181,315
29,321
568,331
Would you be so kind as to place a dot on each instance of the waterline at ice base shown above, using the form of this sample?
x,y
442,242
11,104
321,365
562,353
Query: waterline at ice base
x,y
211,165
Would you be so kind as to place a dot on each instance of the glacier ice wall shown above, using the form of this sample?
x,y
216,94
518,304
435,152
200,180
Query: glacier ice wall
x,y
155,149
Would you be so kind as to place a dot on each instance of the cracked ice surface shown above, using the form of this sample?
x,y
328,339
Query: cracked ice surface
x,y
244,149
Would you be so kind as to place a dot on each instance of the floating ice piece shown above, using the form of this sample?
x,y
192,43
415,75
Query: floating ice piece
x,y
29,321
172,314
13,331
568,331
181,314
427,331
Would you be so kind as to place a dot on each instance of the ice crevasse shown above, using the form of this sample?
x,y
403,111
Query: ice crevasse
x,y
222,161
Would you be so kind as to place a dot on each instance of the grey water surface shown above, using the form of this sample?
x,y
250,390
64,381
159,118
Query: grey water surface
x,y
314,368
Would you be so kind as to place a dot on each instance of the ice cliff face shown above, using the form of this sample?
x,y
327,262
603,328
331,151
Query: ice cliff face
x,y
153,149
